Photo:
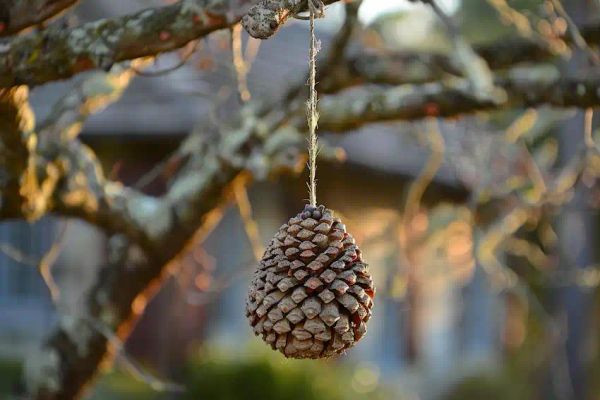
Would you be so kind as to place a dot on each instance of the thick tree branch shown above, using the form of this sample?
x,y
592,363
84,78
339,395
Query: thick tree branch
x,y
87,97
20,14
397,68
18,180
82,190
58,53
57,173
412,102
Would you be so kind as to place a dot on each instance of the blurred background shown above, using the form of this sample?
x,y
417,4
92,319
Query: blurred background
x,y
481,294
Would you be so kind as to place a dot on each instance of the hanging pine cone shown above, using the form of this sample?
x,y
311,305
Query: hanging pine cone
x,y
311,295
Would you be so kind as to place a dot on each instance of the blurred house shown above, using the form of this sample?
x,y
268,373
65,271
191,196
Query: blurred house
x,y
431,318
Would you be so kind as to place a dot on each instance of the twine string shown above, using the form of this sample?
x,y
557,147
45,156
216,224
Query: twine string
x,y
311,107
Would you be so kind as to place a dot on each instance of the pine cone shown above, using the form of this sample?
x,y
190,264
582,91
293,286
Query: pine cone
x,y
311,295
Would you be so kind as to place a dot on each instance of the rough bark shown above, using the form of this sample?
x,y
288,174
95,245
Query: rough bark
x,y
58,53
452,99
17,15
17,153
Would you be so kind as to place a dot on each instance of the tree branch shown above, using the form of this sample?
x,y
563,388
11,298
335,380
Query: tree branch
x,y
87,97
397,68
83,191
58,173
333,68
412,102
58,53
473,67
18,179
20,14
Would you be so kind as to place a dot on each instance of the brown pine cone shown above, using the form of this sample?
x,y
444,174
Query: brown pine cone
x,y
312,294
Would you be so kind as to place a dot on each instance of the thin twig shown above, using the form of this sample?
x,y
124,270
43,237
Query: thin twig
x,y
252,49
521,125
474,67
588,129
44,264
17,255
48,260
294,95
505,279
219,284
341,40
137,371
239,65
250,225
417,188
151,175
514,17
183,60
415,194
528,250
575,34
